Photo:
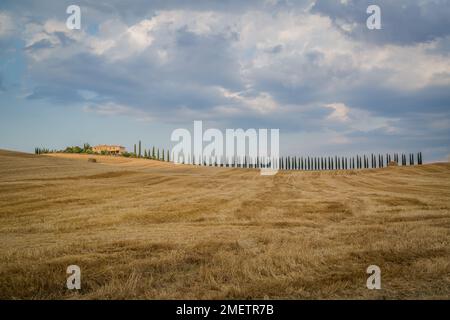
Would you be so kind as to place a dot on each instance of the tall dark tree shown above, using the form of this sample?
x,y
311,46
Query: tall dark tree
x,y
139,148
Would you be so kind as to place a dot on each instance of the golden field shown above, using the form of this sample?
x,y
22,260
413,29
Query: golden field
x,y
142,229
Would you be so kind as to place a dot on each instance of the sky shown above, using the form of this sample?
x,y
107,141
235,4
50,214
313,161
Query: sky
x,y
137,70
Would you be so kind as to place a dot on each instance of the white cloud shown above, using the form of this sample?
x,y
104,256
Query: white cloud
x,y
262,103
340,111
7,25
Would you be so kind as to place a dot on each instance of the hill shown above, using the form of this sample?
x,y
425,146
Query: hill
x,y
147,229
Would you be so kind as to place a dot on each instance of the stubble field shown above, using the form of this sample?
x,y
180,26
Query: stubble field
x,y
142,229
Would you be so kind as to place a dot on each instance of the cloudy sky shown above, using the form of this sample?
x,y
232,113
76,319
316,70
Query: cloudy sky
x,y
139,69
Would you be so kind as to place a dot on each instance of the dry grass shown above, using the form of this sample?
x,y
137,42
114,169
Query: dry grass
x,y
145,229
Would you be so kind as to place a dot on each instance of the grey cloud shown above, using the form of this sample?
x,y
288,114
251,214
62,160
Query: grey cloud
x,y
41,44
403,21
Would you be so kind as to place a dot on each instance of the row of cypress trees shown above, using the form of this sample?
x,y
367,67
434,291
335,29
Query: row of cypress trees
x,y
152,153
42,150
318,163
288,163
344,163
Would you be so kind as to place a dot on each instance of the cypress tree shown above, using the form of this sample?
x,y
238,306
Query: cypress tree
x,y
135,149
139,148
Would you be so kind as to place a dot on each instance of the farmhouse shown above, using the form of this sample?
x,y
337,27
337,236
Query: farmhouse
x,y
110,149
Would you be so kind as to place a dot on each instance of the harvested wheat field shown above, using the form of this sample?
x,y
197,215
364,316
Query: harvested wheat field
x,y
152,230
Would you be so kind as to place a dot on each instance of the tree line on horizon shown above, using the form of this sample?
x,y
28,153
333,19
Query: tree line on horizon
x,y
153,153
318,163
285,163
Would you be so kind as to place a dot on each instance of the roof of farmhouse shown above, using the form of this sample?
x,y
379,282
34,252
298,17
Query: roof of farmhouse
x,y
108,146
